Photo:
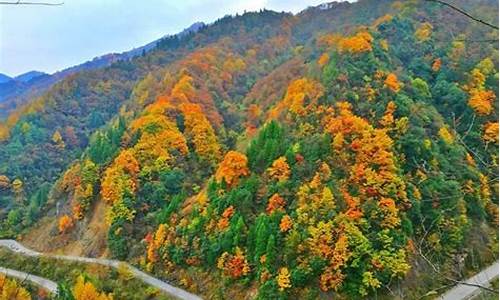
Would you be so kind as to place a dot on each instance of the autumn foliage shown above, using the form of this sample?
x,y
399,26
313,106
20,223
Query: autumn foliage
x,y
490,134
391,82
283,279
279,170
12,290
234,265
65,223
86,291
276,202
232,167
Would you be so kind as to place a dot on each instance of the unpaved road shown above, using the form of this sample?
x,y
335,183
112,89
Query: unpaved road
x,y
159,284
463,292
49,285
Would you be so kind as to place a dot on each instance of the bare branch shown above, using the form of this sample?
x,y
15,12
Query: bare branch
x,y
19,2
464,13
436,270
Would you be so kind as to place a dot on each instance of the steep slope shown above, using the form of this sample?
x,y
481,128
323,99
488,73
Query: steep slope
x,y
348,151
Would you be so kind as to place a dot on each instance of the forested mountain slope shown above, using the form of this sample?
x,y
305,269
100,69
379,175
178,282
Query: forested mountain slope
x,y
347,151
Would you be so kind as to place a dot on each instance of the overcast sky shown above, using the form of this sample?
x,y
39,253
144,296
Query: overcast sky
x,y
51,38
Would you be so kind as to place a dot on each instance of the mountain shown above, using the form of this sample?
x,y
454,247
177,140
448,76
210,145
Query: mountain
x,y
30,85
4,78
348,151
28,76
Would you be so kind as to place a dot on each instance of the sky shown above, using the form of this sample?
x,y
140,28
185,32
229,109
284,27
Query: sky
x,y
51,38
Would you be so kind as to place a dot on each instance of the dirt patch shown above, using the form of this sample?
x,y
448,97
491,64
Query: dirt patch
x,y
87,238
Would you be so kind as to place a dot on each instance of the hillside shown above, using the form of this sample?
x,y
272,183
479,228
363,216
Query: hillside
x,y
348,151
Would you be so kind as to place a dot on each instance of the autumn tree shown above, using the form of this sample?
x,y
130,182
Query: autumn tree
x,y
283,279
490,134
12,290
4,182
276,202
480,98
360,42
234,265
286,223
232,167
65,223
85,290
58,140
301,97
423,32
279,170
201,133
392,83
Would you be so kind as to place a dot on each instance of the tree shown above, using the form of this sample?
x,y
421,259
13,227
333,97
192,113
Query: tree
x,y
391,82
436,65
4,182
85,290
301,97
232,167
120,178
202,135
65,223
490,134
279,170
481,101
236,265
283,279
276,202
423,32
286,223
58,140
360,42
11,290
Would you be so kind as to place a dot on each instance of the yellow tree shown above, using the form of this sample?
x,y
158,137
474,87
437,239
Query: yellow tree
x,y
87,291
279,170
58,140
490,134
423,32
202,135
283,279
11,290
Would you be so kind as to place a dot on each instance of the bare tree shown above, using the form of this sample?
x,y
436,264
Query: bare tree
x,y
19,2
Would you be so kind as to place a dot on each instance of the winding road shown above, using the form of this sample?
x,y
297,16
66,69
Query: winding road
x,y
462,291
159,284
47,284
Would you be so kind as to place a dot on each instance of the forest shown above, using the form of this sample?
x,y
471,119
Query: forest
x,y
349,151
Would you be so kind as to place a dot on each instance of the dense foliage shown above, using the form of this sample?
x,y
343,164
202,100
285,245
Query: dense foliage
x,y
286,155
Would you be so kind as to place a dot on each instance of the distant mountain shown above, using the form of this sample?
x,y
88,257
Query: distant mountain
x,y
4,78
17,91
28,76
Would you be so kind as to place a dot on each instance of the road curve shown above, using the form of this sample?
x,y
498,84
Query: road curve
x,y
49,285
159,284
462,292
